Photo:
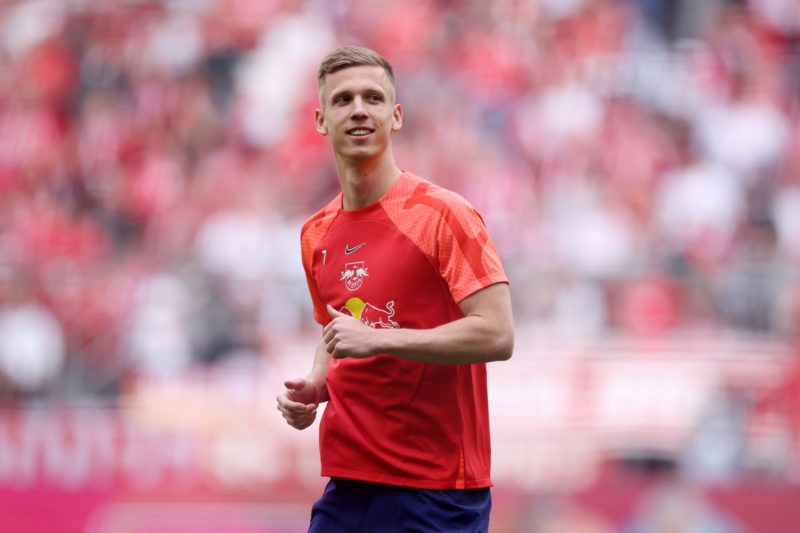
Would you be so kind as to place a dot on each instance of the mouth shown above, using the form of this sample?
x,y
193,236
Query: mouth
x,y
360,131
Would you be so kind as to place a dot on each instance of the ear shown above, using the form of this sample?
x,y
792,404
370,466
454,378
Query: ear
x,y
320,119
397,118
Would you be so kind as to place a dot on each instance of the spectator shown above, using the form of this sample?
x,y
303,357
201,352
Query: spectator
x,y
32,347
129,133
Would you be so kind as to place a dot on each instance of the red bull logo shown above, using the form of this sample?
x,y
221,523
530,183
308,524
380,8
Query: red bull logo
x,y
371,315
353,275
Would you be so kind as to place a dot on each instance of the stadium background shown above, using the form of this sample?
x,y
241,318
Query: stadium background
x,y
637,162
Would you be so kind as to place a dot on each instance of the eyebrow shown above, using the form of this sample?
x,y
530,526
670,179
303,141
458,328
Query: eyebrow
x,y
365,90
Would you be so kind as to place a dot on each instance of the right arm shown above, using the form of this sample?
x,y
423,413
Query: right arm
x,y
299,400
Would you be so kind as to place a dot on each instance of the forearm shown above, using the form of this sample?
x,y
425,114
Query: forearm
x,y
319,371
472,339
485,333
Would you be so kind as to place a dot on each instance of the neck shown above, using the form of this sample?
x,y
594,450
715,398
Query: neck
x,y
366,182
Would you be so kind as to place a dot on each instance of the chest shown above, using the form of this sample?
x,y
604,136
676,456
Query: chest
x,y
373,270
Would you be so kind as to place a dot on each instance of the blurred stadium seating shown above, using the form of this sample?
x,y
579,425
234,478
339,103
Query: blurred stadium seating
x,y
637,163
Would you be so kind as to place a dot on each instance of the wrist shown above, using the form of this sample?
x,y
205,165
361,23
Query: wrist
x,y
387,341
320,389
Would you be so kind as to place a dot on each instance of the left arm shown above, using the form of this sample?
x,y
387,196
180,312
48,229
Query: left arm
x,y
485,333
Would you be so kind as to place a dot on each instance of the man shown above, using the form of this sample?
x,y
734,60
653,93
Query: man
x,y
413,301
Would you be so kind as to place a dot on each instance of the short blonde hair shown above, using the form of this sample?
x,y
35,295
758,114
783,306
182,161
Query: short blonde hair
x,y
352,56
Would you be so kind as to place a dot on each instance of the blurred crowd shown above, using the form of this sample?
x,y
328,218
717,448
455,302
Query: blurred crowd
x,y
637,163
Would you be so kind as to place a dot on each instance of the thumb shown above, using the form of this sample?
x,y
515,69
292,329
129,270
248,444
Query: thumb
x,y
294,384
333,312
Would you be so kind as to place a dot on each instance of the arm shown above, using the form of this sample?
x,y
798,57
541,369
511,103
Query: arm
x,y
299,400
484,334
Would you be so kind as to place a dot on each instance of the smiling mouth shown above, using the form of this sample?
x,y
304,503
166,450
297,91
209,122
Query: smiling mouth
x,y
359,132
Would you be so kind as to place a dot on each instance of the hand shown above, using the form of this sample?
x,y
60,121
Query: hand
x,y
298,402
346,336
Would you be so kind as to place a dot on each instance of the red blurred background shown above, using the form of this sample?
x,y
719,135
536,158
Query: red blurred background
x,y
637,163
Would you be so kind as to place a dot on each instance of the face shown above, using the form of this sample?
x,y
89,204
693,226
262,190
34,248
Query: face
x,y
358,111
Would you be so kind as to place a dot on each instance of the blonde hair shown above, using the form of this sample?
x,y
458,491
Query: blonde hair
x,y
352,56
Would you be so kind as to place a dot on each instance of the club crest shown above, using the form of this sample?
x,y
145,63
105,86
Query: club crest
x,y
353,275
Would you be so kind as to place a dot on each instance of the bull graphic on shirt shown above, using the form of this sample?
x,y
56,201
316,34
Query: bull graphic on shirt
x,y
353,275
371,315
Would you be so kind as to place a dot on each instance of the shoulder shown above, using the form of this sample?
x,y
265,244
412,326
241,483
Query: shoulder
x,y
434,217
319,222
316,227
421,193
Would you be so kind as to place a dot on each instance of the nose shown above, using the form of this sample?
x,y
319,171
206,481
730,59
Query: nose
x,y
358,111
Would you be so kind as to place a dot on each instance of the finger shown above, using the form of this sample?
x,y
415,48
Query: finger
x,y
327,335
302,425
298,415
296,422
300,422
294,384
285,405
333,312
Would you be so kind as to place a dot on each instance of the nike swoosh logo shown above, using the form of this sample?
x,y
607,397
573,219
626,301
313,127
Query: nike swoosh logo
x,y
348,250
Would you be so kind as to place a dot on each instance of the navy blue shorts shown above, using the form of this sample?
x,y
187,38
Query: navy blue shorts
x,y
360,507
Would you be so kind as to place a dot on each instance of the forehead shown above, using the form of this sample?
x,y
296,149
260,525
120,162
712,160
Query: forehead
x,y
356,79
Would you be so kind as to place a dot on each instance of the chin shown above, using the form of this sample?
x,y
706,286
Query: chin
x,y
361,154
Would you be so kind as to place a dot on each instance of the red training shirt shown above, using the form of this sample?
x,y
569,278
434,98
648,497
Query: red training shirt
x,y
404,261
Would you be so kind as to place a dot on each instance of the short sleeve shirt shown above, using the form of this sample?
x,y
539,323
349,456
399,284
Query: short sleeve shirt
x,y
405,261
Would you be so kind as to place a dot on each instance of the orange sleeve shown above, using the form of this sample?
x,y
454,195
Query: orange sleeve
x,y
311,235
452,234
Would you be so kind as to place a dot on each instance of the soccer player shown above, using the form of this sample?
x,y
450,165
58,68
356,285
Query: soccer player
x,y
414,302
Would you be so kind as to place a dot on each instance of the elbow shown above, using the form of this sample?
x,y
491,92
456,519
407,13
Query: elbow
x,y
504,345
507,351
